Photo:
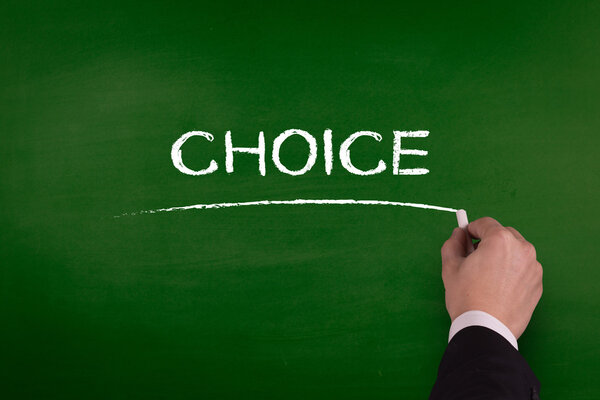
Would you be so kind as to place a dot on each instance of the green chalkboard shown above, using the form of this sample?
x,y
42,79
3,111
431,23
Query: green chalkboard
x,y
285,301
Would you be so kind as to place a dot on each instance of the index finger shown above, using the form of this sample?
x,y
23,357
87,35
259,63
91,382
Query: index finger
x,y
482,227
454,249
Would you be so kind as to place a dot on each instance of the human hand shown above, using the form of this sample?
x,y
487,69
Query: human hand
x,y
501,277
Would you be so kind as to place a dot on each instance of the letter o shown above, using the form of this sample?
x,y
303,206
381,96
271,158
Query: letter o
x,y
312,154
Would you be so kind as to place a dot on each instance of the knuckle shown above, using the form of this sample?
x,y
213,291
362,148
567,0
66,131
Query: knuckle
x,y
530,250
502,235
444,274
487,220
540,270
446,244
445,247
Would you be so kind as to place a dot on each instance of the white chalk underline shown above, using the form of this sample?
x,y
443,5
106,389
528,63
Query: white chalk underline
x,y
294,202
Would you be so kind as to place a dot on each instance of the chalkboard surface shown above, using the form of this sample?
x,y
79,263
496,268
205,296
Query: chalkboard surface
x,y
285,301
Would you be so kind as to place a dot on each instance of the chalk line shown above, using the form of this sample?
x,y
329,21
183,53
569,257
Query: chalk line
x,y
293,202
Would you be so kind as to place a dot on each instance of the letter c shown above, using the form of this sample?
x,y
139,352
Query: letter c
x,y
345,154
176,154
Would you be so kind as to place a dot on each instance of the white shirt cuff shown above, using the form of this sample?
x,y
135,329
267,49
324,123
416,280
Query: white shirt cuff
x,y
481,318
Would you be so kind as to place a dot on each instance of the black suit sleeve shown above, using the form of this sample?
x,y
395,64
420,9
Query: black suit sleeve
x,y
480,364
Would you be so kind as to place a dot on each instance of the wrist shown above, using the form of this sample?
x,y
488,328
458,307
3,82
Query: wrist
x,y
482,318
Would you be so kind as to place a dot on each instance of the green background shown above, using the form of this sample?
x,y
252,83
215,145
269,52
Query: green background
x,y
285,301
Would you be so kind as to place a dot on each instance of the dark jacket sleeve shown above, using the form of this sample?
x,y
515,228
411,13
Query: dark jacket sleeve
x,y
480,364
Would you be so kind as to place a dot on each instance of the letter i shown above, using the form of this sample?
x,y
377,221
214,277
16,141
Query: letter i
x,y
328,152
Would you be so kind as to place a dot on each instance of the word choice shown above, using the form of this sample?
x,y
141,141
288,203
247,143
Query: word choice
x,y
344,153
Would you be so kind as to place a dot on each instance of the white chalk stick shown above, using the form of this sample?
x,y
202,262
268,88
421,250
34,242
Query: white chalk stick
x,y
463,221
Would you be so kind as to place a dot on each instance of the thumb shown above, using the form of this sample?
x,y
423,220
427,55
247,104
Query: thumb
x,y
483,227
